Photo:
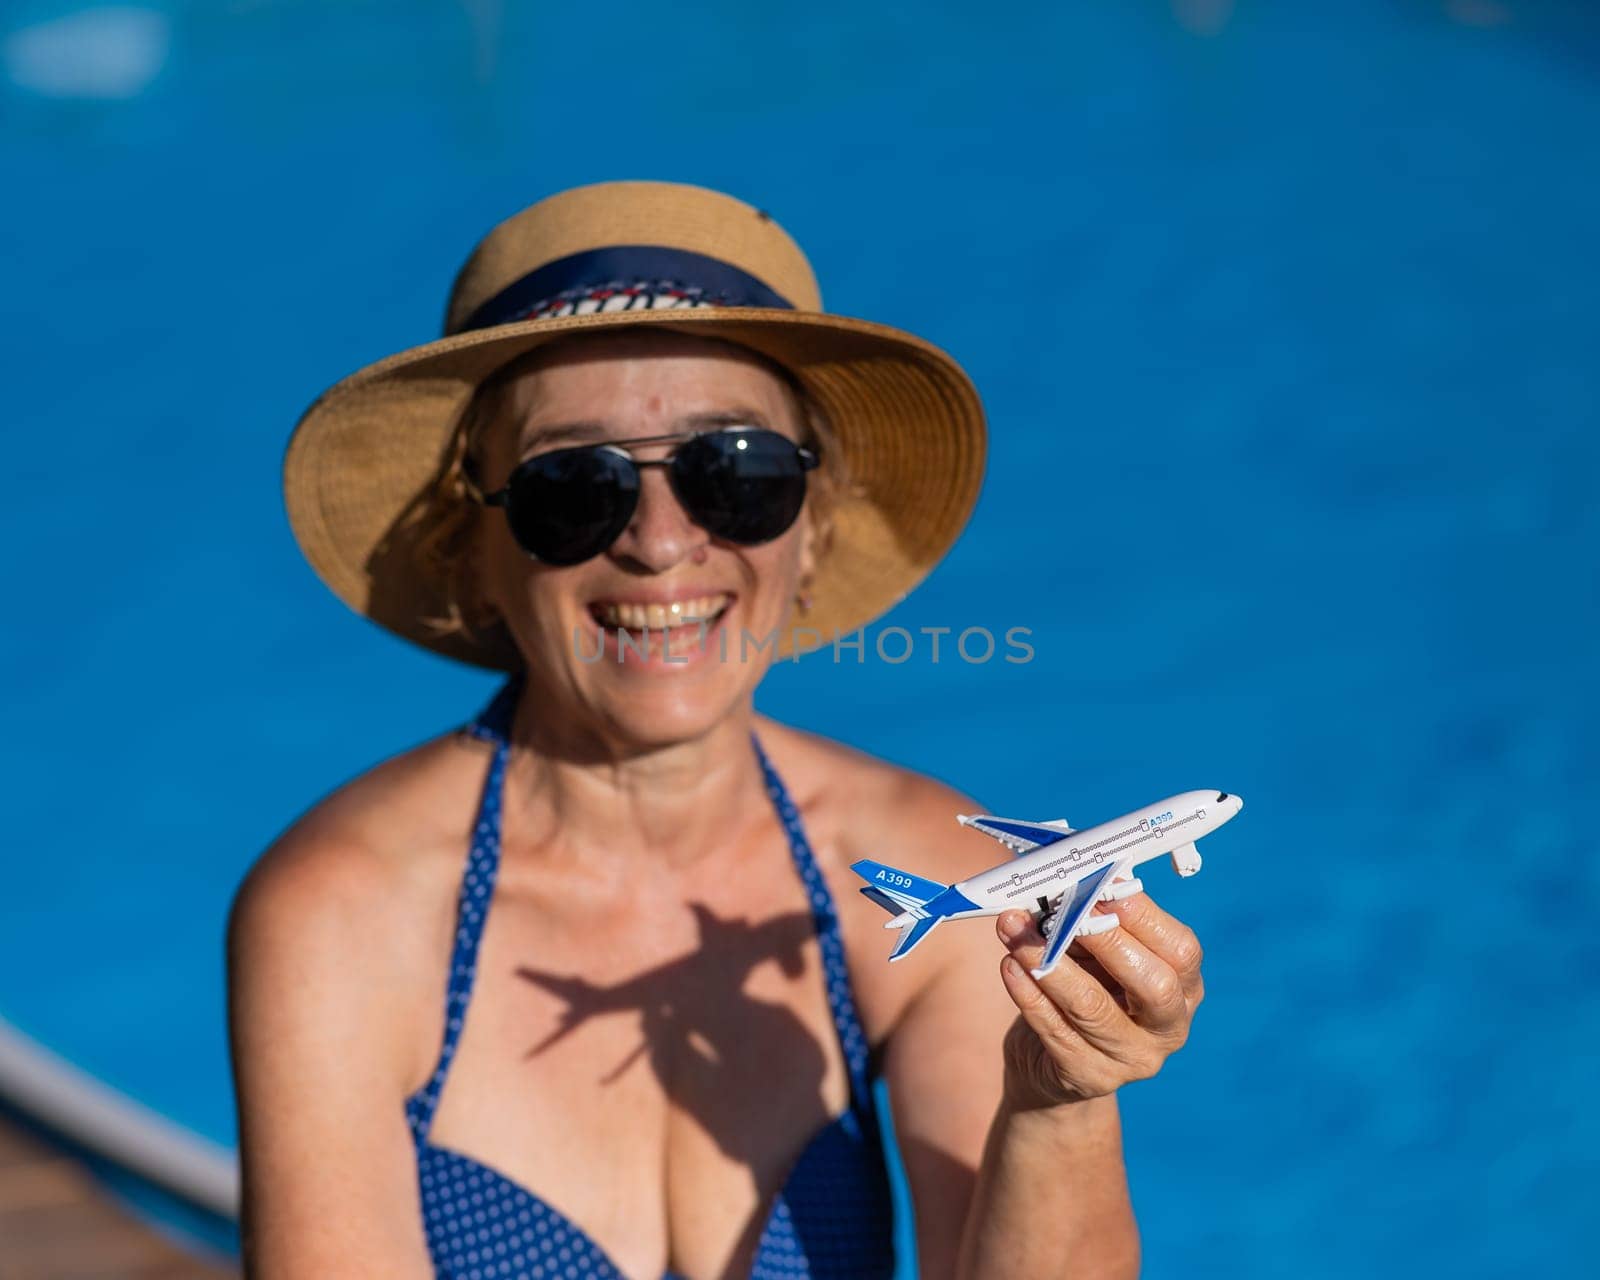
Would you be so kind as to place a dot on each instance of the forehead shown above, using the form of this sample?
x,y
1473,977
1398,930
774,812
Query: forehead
x,y
614,386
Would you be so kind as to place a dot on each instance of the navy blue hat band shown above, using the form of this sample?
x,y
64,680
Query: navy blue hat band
x,y
629,277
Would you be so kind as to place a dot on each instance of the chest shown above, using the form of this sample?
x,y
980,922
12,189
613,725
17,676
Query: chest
x,y
651,1068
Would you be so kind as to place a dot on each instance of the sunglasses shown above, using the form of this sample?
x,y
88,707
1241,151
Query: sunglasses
x,y
743,484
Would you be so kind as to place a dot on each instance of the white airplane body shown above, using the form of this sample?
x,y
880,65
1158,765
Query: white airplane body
x,y
1059,874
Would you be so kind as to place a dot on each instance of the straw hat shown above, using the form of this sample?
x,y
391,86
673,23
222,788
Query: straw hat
x,y
614,255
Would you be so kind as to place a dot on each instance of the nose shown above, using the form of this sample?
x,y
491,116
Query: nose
x,y
660,535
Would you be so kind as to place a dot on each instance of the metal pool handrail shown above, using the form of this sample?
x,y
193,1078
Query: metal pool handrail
x,y
111,1124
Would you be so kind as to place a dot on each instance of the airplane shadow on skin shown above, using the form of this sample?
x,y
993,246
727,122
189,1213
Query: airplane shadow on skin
x,y
706,1039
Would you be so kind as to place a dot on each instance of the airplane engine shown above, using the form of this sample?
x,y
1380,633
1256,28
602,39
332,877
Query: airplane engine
x,y
1098,924
1186,860
1123,889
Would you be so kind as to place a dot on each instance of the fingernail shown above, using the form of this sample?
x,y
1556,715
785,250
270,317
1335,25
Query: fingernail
x,y
1013,970
1012,924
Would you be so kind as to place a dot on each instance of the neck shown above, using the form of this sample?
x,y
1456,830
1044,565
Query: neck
x,y
579,795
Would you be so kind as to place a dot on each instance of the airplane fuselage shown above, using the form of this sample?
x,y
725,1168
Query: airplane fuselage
x,y
1059,874
1151,832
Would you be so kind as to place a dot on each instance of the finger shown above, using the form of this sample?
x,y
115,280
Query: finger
x,y
1097,971
1164,934
1044,1018
1091,1009
1157,1000
1018,928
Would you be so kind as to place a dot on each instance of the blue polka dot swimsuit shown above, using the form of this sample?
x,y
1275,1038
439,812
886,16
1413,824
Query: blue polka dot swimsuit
x,y
831,1220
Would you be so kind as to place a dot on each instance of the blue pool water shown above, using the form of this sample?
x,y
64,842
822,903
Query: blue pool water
x,y
1285,319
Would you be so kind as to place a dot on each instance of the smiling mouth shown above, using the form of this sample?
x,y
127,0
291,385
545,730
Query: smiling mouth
x,y
626,615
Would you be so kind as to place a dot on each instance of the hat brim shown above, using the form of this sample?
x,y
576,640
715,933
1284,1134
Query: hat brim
x,y
906,416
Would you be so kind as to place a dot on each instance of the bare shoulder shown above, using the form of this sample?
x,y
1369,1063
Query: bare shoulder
x,y
350,910
338,947
856,806
353,856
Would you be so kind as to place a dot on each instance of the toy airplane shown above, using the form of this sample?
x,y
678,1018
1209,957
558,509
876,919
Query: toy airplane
x,y
1058,877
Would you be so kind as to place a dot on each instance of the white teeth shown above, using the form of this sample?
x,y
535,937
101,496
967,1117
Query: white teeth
x,y
656,616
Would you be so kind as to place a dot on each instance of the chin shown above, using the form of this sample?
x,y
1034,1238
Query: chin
x,y
661,714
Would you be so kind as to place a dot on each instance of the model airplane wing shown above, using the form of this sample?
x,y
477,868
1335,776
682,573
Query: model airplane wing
x,y
1015,834
1072,913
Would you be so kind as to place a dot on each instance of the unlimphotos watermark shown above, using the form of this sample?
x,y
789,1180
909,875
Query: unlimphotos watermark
x,y
893,645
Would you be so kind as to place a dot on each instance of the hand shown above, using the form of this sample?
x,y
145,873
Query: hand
x,y
1116,1007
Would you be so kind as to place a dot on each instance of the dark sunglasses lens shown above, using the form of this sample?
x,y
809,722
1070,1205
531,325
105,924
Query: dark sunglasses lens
x,y
745,486
569,505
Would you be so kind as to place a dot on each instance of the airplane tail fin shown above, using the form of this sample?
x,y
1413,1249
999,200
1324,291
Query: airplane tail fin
x,y
907,898
898,892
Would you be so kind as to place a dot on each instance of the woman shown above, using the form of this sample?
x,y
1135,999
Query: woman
x,y
643,462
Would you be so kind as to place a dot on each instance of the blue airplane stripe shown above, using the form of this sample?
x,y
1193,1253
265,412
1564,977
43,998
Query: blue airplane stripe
x,y
951,902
